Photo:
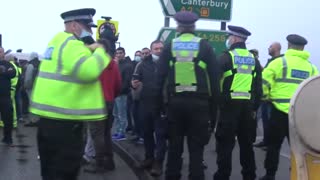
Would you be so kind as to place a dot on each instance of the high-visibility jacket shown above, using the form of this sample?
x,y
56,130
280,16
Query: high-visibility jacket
x,y
14,81
283,75
67,86
187,72
243,73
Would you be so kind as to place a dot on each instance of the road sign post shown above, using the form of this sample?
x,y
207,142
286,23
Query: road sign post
x,y
166,22
219,10
223,26
215,38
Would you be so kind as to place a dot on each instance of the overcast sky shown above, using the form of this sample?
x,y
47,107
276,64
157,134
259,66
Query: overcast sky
x,y
30,24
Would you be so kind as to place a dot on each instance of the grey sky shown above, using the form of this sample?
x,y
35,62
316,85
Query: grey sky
x,y
31,24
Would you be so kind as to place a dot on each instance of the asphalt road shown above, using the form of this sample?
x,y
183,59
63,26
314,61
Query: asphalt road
x,y
137,152
21,163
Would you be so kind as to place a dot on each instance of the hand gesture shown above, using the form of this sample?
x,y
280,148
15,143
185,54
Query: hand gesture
x,y
94,46
135,83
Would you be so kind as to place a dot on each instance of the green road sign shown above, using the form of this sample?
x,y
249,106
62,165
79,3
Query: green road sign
x,y
217,39
219,10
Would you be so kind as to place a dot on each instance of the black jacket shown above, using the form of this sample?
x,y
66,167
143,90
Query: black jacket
x,y
126,69
226,64
146,72
271,59
207,55
5,78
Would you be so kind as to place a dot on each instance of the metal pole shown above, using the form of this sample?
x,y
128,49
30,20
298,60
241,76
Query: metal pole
x,y
166,22
223,26
0,40
119,44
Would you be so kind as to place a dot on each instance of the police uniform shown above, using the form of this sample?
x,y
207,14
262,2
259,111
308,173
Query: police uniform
x,y
241,93
280,81
14,83
189,66
7,73
66,93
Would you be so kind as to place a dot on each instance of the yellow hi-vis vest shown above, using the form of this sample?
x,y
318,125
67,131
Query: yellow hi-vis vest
x,y
67,86
243,71
283,75
186,69
14,82
184,49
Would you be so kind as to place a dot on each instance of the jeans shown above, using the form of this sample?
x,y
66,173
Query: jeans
x,y
120,114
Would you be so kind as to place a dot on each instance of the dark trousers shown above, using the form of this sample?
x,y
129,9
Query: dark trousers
x,y
236,119
129,112
265,115
155,129
60,145
6,111
190,117
108,140
25,102
18,103
138,121
97,132
279,125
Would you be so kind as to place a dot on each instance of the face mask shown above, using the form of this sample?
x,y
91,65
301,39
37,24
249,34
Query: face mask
x,y
228,45
137,58
85,33
86,37
155,57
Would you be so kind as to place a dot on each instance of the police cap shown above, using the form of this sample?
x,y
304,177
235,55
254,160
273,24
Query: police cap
x,y
297,40
185,18
238,31
83,16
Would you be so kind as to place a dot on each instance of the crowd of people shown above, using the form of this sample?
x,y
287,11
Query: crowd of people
x,y
19,80
165,93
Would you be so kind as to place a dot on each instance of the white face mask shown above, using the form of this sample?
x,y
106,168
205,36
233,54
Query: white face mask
x,y
155,57
137,58
84,33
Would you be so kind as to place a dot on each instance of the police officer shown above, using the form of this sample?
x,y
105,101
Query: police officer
x,y
241,92
14,84
7,73
189,64
280,81
67,93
